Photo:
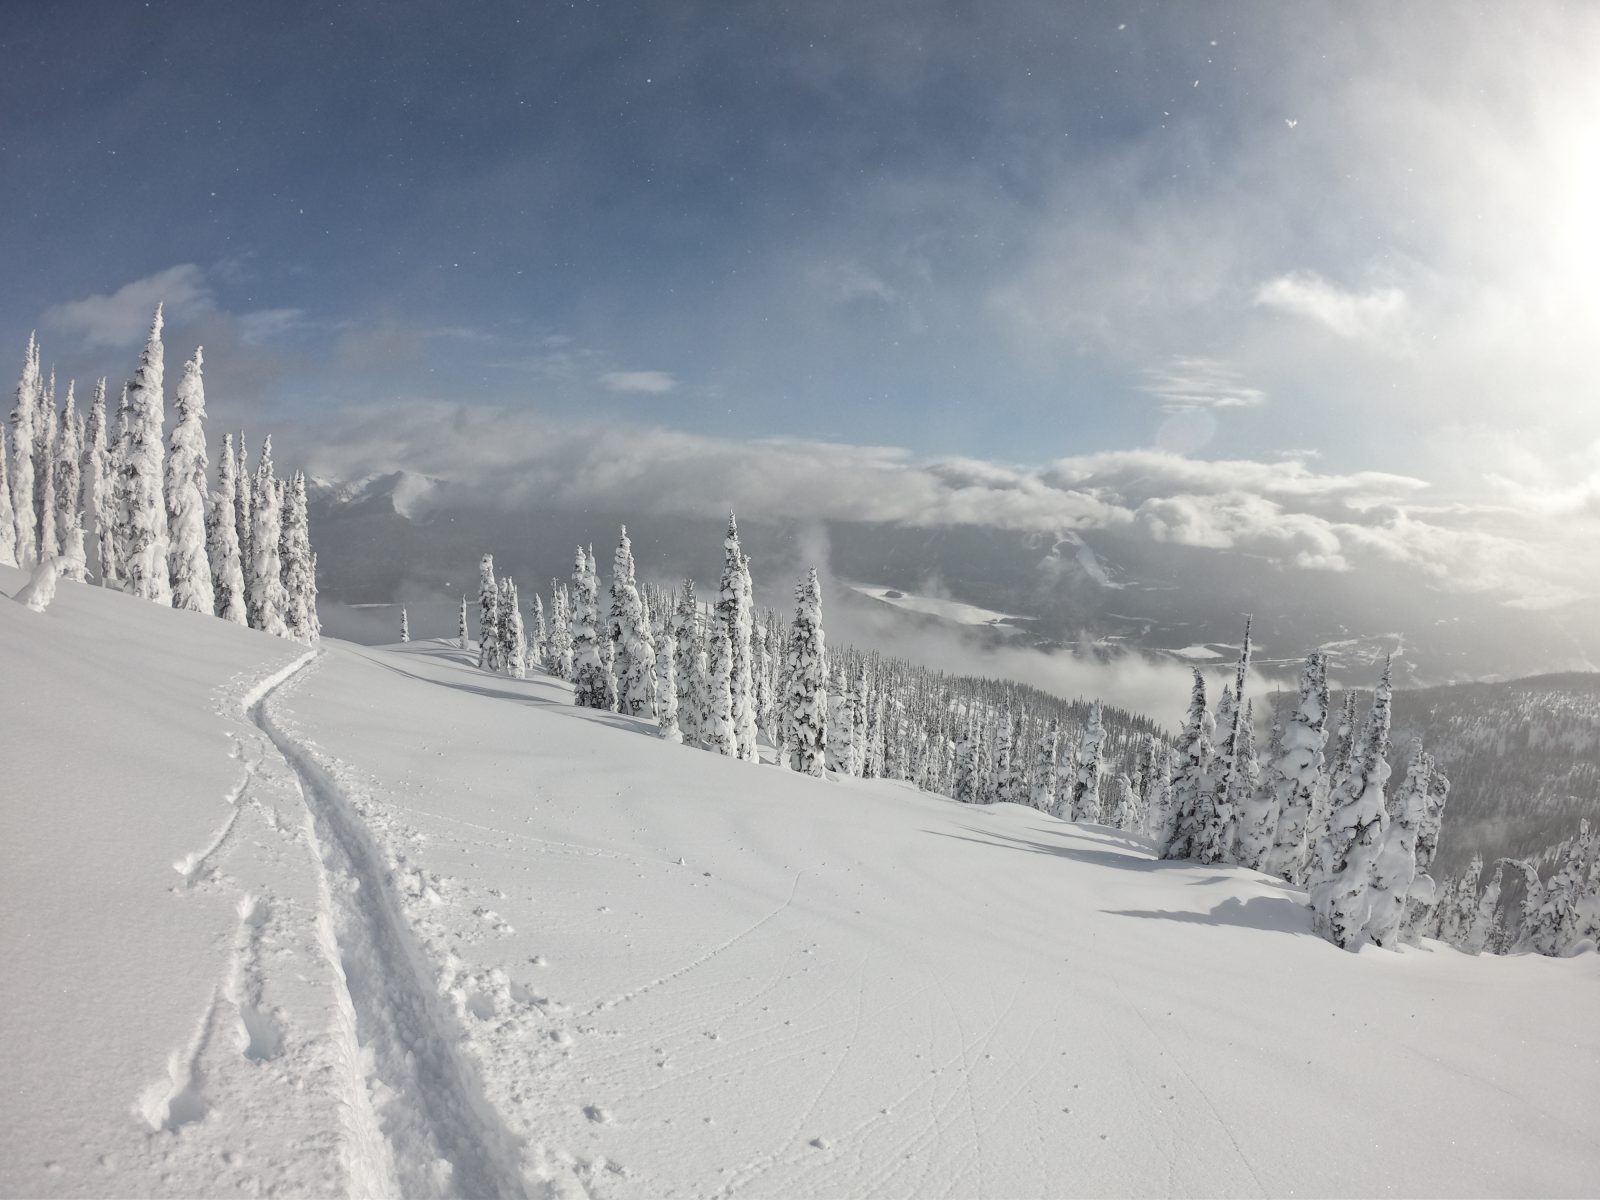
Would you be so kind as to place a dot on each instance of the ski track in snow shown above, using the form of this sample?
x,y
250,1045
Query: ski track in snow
x,y
418,1121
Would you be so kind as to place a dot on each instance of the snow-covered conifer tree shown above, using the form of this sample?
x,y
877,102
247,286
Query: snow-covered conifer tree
x,y
1344,737
666,677
222,539
1395,868
193,589
143,544
560,631
44,471
299,564
806,699
734,611
267,598
539,639
463,640
97,484
1089,765
489,637
1341,889
1424,894
692,686
967,751
1159,808
514,641
68,515
630,634
1299,778
244,505
1044,768
1003,746
8,517
717,726
839,723
405,625
591,686
1245,775
1192,783
24,432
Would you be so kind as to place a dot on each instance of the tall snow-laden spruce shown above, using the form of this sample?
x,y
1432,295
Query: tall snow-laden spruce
x,y
1233,786
1358,821
8,519
68,516
267,598
1089,765
1211,819
513,635
1043,796
299,564
1299,778
692,685
222,538
1423,897
560,661
144,543
539,634
630,635
463,636
1395,869
666,677
97,471
733,610
1346,735
44,470
244,505
405,626
193,589
24,432
1193,784
839,721
121,446
591,687
806,698
489,641
717,724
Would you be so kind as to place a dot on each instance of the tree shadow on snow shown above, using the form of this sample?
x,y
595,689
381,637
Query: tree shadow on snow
x,y
1104,858
1275,914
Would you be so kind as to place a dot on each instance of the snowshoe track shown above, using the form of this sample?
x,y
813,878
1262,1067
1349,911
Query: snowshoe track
x,y
417,1121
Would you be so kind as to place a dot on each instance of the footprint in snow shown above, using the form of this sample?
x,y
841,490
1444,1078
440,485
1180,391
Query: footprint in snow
x,y
598,1115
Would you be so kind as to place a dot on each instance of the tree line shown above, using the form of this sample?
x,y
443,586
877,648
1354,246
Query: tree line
x,y
117,498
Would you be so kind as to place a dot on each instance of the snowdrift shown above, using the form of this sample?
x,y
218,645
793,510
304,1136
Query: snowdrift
x,y
373,922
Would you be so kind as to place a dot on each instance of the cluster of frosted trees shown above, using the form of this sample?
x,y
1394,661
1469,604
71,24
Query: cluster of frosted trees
x,y
719,675
712,676
1548,903
1331,823
119,498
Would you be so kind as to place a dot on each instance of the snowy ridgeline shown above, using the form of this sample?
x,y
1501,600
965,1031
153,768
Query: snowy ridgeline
x,y
372,922
128,505
1316,813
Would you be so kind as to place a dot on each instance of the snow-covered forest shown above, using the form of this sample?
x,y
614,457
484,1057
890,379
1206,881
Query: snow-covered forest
x,y
115,497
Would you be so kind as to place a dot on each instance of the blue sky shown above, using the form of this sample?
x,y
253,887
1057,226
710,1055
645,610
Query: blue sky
x,y
1358,236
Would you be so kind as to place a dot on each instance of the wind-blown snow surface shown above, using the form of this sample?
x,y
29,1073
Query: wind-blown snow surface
x,y
381,923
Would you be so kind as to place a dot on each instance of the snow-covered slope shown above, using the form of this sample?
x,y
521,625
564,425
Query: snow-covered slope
x,y
438,932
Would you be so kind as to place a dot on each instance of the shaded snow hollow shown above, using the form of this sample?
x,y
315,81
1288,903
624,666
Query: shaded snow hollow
x,y
378,923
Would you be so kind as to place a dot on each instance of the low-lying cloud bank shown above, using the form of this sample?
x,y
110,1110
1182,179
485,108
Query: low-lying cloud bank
x,y
1284,512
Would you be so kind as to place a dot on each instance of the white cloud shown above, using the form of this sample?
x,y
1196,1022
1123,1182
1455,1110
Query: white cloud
x,y
1281,511
1186,384
1369,315
649,383
122,318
